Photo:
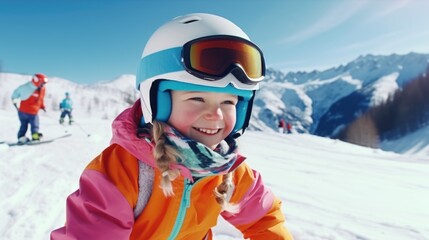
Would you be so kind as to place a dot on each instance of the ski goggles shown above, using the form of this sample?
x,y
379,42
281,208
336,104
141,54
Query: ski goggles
x,y
212,58
208,58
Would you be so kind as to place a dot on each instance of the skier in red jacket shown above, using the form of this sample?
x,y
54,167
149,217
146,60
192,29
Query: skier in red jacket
x,y
28,100
289,128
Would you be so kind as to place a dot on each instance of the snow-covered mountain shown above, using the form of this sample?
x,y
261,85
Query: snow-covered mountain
x,y
322,102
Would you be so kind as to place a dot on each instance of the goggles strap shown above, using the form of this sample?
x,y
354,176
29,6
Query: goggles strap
x,y
165,61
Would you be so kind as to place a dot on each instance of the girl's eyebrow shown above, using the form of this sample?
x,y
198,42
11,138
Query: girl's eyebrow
x,y
192,92
200,93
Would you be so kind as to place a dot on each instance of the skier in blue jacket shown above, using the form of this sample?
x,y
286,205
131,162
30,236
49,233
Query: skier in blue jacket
x,y
66,107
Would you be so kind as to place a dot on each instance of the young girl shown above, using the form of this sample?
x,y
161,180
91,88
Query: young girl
x,y
173,167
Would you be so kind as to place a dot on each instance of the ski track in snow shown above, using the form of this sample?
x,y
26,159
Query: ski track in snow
x,y
36,179
330,190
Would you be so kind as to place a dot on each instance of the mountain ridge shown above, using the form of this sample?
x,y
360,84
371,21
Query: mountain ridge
x,y
326,88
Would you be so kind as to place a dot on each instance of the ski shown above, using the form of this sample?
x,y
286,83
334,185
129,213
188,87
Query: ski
x,y
43,141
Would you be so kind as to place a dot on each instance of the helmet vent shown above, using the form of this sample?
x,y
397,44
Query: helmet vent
x,y
190,19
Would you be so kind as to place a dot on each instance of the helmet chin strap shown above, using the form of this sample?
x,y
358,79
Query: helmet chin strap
x,y
237,135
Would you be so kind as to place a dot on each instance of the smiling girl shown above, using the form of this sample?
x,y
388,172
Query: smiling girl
x,y
173,166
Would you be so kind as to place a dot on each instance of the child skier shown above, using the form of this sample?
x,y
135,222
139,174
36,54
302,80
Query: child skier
x,y
30,97
173,165
66,107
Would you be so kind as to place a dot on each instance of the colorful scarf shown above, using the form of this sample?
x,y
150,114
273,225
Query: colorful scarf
x,y
198,158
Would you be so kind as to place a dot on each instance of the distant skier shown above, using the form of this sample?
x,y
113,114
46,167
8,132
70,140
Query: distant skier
x,y
282,125
66,107
28,99
289,128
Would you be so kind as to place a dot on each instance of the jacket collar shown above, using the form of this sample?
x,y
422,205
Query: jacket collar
x,y
124,133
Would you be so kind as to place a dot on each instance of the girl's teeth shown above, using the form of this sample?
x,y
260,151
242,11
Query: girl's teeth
x,y
208,131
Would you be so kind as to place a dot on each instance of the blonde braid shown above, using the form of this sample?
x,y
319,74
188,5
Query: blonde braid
x,y
223,194
164,155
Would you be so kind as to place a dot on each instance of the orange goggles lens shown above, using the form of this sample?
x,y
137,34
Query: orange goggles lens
x,y
212,58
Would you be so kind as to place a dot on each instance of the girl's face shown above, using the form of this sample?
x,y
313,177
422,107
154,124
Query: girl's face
x,y
205,117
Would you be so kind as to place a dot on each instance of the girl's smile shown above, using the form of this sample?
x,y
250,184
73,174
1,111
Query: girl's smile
x,y
207,117
207,131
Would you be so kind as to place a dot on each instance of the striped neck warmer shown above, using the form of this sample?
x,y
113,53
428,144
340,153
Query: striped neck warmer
x,y
198,158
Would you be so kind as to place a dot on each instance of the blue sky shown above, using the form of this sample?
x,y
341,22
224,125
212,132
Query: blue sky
x,y
89,41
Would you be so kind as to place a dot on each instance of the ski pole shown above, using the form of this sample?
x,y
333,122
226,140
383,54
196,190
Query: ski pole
x,y
81,128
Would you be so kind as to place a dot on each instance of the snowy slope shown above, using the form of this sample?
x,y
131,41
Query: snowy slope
x,y
330,189
416,143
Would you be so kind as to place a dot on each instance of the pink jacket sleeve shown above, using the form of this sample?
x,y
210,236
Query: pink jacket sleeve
x,y
260,215
97,210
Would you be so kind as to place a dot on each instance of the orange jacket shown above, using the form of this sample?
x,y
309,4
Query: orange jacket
x,y
109,189
34,103
32,98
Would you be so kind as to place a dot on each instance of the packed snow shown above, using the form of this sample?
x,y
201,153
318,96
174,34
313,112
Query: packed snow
x,y
330,189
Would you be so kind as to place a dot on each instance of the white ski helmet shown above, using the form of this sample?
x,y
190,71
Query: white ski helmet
x,y
199,52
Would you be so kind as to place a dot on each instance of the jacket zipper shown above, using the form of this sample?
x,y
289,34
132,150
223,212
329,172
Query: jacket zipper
x,y
184,205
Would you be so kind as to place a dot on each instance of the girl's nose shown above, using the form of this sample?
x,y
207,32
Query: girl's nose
x,y
214,112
